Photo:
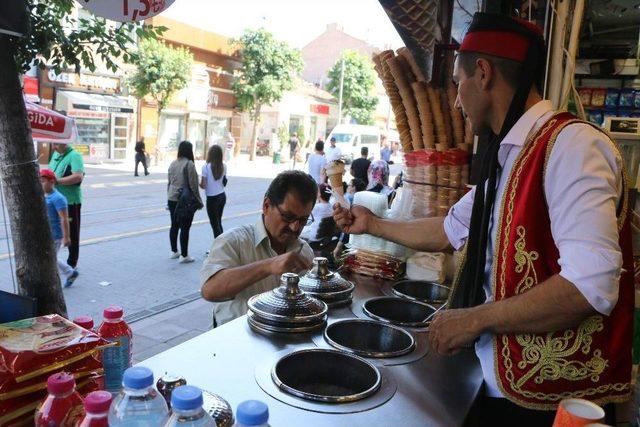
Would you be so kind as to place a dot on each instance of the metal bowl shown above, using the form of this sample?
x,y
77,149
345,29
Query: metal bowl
x,y
421,290
218,408
398,311
368,338
269,327
325,375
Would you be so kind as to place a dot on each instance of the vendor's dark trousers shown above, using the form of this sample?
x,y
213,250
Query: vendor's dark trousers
x,y
181,228
215,206
74,234
141,158
499,412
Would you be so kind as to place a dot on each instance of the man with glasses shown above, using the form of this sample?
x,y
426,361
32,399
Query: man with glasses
x,y
249,260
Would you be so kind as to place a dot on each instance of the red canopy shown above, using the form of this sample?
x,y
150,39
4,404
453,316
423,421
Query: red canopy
x,y
51,126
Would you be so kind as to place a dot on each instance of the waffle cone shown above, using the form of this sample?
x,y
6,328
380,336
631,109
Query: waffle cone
x,y
335,181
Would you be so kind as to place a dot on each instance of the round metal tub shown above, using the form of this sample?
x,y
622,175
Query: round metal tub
x,y
368,338
326,376
421,290
398,311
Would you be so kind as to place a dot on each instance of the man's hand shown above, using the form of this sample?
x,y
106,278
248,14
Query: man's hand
x,y
66,241
451,330
291,262
356,220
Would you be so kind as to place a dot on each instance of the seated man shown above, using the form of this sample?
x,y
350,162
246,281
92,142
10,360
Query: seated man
x,y
249,260
321,210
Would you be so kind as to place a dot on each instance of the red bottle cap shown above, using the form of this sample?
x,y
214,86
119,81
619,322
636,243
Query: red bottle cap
x,y
84,321
60,383
97,402
113,312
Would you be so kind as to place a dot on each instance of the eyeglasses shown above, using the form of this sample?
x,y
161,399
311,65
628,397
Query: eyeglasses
x,y
290,219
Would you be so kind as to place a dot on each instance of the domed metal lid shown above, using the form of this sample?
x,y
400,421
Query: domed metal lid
x,y
287,303
324,284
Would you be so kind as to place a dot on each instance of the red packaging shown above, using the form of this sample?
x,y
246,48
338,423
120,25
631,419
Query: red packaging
x,y
10,389
63,406
32,347
116,359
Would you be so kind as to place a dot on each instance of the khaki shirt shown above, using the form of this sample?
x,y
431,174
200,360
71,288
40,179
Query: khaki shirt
x,y
241,246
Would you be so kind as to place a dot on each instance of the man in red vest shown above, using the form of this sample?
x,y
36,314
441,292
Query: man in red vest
x,y
545,291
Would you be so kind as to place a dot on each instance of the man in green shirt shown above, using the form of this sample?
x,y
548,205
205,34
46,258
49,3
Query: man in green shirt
x,y
68,166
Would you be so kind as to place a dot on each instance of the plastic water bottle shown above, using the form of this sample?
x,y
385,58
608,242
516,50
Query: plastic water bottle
x,y
186,402
118,358
138,404
96,405
252,413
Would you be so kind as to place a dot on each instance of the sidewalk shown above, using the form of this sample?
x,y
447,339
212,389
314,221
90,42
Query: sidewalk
x,y
162,331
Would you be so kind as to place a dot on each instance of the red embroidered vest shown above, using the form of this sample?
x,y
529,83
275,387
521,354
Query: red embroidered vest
x,y
591,361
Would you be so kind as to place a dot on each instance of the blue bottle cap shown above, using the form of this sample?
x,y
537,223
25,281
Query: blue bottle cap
x,y
252,413
137,377
186,398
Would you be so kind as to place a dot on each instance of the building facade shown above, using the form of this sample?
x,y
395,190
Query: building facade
x,y
205,111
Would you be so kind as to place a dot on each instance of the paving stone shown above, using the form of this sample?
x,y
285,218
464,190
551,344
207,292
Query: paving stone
x,y
150,352
162,331
182,338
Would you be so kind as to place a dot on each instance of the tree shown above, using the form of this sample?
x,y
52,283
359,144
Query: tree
x,y
268,70
161,71
51,37
358,99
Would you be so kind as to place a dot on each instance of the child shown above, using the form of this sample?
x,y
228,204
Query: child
x,y
58,221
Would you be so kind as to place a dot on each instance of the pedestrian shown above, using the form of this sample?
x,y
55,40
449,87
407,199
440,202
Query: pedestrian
x,y
68,167
316,162
321,210
385,151
545,292
360,166
182,176
213,181
58,214
294,146
355,186
332,153
141,157
230,143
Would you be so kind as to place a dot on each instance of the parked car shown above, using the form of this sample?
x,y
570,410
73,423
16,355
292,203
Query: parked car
x,y
351,138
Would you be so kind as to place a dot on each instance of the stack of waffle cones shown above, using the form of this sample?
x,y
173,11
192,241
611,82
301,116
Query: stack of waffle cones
x,y
419,19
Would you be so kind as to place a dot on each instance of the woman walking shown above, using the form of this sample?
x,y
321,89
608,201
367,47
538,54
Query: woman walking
x,y
182,176
213,181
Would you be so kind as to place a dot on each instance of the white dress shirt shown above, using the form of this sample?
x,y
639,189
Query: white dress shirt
x,y
241,246
582,187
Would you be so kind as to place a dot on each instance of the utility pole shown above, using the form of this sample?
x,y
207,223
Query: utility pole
x,y
341,86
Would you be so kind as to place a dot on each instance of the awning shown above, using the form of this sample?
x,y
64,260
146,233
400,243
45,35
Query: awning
x,y
51,126
68,101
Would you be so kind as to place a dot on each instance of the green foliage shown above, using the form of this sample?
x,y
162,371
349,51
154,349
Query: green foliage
x,y
57,39
358,98
301,136
283,135
268,69
161,71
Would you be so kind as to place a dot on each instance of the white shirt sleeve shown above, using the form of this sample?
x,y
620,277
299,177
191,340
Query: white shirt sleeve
x,y
458,220
582,188
204,170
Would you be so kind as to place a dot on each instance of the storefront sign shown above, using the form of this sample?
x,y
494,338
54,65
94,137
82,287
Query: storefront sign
x,y
46,122
105,108
319,109
30,88
126,10
88,81
97,151
88,114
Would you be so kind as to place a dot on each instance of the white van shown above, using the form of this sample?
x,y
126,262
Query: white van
x,y
351,138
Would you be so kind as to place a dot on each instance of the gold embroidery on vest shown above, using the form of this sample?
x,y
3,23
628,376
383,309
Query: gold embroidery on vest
x,y
524,259
549,355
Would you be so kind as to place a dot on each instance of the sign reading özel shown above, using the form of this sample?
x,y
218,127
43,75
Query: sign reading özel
x,y
126,10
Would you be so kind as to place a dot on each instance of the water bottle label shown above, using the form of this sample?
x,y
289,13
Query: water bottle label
x,y
115,361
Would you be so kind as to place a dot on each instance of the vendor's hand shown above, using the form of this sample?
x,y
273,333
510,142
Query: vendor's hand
x,y
355,220
451,330
66,241
291,262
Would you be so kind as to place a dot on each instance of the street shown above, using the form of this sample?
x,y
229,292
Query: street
x,y
124,253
